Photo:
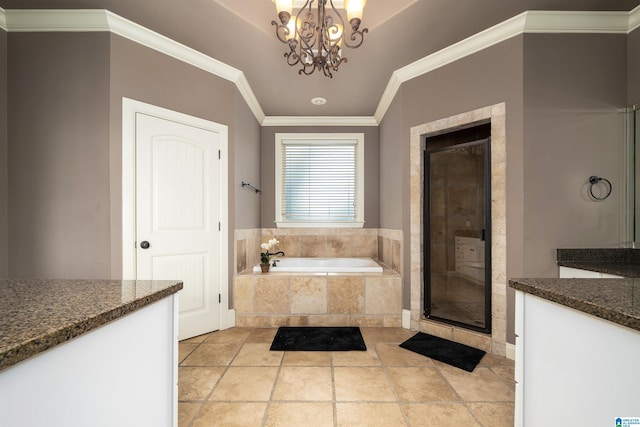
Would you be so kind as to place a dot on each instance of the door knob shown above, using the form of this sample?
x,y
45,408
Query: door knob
x,y
144,244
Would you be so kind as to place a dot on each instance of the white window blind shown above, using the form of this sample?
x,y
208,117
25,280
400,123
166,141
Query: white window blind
x,y
320,180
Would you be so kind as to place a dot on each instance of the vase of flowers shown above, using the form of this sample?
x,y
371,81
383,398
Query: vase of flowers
x,y
265,256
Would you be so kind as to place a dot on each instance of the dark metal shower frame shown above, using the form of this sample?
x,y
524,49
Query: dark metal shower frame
x,y
426,262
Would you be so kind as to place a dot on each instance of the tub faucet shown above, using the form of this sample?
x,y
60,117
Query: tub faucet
x,y
275,260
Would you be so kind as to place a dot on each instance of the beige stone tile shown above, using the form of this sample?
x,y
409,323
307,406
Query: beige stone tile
x,y
232,335
389,335
366,320
396,256
356,358
226,414
361,384
365,246
264,335
196,340
493,414
309,295
313,246
271,294
383,295
195,383
257,354
241,255
243,294
308,414
479,385
186,412
392,321
506,374
439,415
303,383
369,414
420,384
290,245
290,320
494,360
329,320
472,339
394,355
245,383
346,295
306,358
185,349
212,355
338,246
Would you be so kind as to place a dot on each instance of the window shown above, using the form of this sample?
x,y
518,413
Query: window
x,y
319,180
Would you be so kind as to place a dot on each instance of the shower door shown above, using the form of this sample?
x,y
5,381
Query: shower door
x,y
457,263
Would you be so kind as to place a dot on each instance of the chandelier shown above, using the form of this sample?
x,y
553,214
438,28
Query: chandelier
x,y
315,39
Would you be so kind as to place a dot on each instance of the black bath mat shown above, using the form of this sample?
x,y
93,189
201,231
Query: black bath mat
x,y
455,354
306,338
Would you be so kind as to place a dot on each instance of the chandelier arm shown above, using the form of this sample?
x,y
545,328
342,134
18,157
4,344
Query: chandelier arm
x,y
317,45
356,37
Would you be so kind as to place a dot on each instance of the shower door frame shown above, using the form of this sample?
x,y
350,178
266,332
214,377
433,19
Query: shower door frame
x,y
486,234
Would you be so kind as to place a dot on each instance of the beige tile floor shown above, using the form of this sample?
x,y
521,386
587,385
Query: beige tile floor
x,y
230,378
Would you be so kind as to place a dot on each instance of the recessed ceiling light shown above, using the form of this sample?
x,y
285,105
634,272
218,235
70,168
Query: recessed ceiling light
x,y
318,101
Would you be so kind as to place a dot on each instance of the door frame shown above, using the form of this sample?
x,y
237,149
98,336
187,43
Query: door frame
x,y
130,108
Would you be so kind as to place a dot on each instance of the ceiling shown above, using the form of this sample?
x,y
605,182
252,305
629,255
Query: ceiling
x,y
239,33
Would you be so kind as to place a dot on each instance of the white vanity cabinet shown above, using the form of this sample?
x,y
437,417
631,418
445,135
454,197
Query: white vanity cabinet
x,y
573,368
107,355
577,273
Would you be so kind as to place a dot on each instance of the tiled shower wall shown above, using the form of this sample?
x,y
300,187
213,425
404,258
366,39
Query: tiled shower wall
x,y
383,245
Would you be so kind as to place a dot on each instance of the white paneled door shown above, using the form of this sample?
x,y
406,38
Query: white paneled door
x,y
177,216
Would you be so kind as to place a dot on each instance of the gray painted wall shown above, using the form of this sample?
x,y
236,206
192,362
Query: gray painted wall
x,y
633,51
4,196
65,150
563,94
574,91
58,155
486,78
393,139
267,169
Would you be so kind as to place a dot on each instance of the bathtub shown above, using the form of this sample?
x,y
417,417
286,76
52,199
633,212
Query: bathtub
x,y
323,265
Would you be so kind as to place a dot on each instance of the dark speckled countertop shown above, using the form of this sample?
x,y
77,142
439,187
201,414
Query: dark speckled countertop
x,y
36,315
616,300
619,261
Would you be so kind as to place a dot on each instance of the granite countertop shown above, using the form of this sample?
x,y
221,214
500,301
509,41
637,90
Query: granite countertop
x,y
618,261
36,315
616,300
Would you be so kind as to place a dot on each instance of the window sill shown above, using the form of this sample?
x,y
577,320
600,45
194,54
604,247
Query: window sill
x,y
330,224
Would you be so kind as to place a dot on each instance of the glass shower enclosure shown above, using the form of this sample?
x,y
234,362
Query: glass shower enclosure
x,y
457,232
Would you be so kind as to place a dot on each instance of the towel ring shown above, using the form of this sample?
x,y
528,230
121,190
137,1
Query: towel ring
x,y
593,180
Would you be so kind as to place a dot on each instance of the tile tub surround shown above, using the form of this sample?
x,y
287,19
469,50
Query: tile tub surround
x,y
496,342
619,261
40,314
615,300
297,299
384,245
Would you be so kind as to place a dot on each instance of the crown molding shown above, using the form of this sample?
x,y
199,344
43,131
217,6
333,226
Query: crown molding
x,y
634,19
527,22
319,121
100,20
576,22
